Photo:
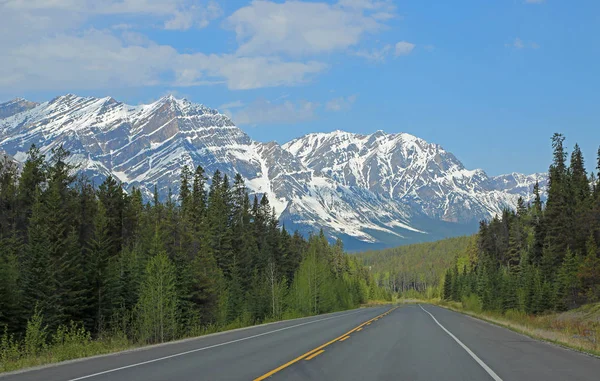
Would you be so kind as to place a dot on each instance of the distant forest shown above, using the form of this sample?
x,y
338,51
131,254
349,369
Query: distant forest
x,y
418,267
78,257
543,256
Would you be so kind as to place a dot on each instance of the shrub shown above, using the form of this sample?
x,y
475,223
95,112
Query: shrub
x,y
10,350
35,334
472,303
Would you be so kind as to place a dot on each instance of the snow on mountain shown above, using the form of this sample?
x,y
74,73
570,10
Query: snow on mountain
x,y
409,170
15,106
379,188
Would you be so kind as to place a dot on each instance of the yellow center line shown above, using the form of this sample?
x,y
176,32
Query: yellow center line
x,y
314,355
309,353
358,330
344,338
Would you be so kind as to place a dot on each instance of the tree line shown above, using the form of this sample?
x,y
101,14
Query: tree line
x,y
107,261
543,256
414,268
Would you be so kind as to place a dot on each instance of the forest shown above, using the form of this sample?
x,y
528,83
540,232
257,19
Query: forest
x,y
416,268
541,257
99,261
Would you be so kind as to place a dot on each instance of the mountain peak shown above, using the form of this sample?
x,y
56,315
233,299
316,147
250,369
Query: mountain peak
x,y
15,106
357,187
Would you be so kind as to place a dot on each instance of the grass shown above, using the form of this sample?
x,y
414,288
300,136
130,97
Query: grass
x,y
15,356
73,342
577,329
376,303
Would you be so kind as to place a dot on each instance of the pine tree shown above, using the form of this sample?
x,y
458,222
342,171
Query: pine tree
x,y
11,303
539,232
557,216
569,283
579,187
447,290
157,305
589,272
218,214
8,196
111,196
40,281
98,258
32,178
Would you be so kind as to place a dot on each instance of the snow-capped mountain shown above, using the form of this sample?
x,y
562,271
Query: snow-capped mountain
x,y
367,189
408,169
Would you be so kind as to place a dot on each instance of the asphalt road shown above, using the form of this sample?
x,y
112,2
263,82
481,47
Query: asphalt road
x,y
409,343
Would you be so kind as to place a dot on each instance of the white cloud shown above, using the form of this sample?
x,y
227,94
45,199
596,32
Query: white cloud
x,y
177,14
230,105
375,55
520,44
59,50
98,59
300,28
403,48
263,112
341,103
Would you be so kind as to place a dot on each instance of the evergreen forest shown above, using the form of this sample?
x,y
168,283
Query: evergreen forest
x,y
541,257
99,261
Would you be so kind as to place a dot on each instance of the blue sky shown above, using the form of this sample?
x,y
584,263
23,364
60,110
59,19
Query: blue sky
x,y
488,80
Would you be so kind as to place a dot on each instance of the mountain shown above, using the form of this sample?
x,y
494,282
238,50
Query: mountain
x,y
370,190
407,169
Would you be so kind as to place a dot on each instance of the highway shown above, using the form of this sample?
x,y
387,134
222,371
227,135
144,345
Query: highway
x,y
410,342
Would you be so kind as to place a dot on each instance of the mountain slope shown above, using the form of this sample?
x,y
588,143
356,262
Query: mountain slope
x,y
378,189
410,170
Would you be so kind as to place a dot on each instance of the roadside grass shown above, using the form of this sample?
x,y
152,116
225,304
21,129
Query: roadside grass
x,y
376,303
577,329
39,347
74,343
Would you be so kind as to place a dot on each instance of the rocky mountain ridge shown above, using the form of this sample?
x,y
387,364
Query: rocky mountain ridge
x,y
378,189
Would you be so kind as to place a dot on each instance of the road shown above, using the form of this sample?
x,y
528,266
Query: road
x,y
410,342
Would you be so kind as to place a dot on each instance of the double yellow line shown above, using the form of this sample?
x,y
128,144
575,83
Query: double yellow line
x,y
317,351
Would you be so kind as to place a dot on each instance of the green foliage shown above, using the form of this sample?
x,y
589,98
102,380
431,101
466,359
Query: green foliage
x,y
35,335
84,271
471,302
418,267
157,305
538,259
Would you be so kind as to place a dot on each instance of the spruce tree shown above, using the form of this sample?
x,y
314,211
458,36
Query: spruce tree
x,y
557,215
568,283
111,196
157,306
31,180
98,257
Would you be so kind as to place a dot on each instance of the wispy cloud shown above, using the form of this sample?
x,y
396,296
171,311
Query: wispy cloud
x,y
375,55
265,112
230,105
341,103
175,14
278,43
302,28
98,59
520,44
535,1
403,48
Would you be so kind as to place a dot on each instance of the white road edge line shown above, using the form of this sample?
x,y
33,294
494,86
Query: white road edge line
x,y
479,361
209,347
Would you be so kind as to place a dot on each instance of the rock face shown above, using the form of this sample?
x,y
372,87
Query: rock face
x,y
370,190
